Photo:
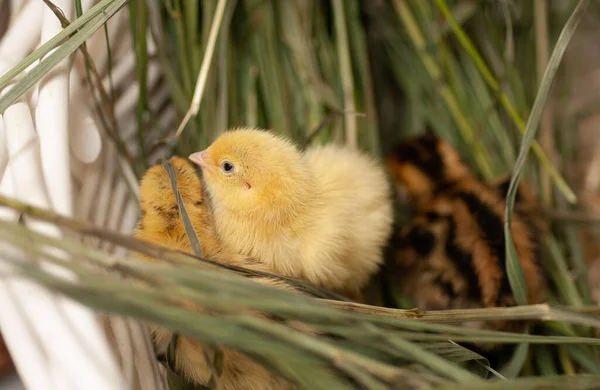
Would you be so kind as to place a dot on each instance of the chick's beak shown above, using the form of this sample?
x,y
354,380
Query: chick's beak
x,y
201,158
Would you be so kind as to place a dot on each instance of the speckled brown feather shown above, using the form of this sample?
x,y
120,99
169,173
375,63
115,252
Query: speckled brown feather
x,y
451,254
161,224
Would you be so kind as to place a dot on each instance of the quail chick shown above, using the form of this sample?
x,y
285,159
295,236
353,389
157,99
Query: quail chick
x,y
451,254
161,224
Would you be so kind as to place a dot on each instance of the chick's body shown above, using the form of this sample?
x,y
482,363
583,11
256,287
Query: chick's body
x,y
161,224
323,215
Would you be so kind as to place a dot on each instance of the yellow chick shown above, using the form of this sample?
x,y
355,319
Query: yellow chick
x,y
162,224
323,215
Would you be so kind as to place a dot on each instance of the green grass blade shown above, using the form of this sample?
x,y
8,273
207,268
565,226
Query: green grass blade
x,y
28,81
187,223
513,265
77,24
139,19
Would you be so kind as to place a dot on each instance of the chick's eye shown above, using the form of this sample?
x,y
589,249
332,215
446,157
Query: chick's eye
x,y
227,167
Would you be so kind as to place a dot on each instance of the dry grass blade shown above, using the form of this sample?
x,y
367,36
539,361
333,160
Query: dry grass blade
x,y
203,74
541,312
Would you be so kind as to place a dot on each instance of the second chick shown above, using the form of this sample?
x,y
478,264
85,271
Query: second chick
x,y
451,254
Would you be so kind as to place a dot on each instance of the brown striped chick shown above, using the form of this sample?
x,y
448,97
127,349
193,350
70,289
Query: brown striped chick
x,y
451,254
323,215
161,224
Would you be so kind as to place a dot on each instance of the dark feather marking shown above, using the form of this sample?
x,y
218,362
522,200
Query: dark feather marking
x,y
463,261
432,216
492,229
446,286
171,227
421,240
166,214
444,186
423,153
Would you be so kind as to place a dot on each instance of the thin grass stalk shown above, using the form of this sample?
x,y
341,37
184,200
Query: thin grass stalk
x,y
182,49
546,122
191,33
345,73
111,87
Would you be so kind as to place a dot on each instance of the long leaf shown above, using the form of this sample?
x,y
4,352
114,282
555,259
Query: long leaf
x,y
80,22
28,81
514,269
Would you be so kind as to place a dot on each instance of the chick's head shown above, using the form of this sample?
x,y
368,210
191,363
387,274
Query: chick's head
x,y
250,170
421,164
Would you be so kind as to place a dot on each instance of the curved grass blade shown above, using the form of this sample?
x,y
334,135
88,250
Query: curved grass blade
x,y
514,269
56,40
459,354
28,81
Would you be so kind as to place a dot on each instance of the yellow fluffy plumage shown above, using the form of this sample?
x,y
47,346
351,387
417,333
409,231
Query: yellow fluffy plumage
x,y
323,215
161,224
